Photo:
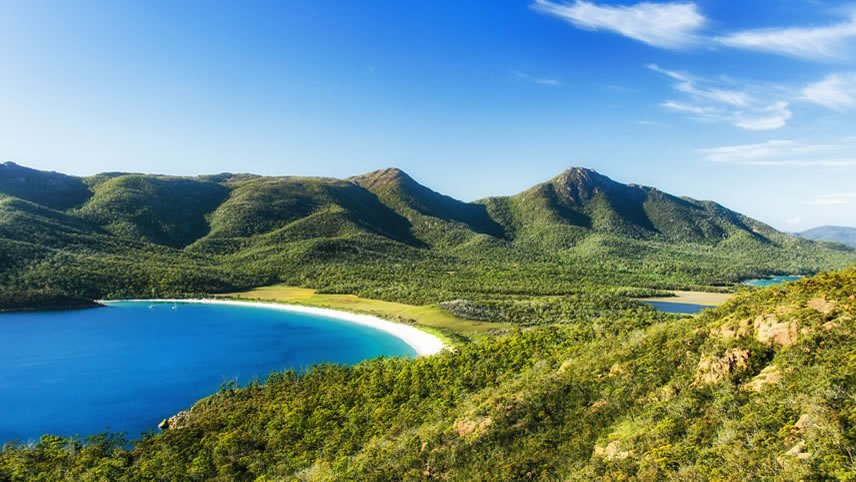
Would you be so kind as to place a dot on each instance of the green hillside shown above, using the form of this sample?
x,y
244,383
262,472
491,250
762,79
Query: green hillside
x,y
381,235
759,389
50,189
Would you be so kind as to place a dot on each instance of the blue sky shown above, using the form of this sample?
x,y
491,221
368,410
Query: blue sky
x,y
747,103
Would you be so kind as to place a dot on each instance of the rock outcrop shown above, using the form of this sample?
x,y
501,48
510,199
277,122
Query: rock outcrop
x,y
178,420
612,451
712,369
769,329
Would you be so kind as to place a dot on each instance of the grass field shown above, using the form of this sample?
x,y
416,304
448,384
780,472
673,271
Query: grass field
x,y
429,317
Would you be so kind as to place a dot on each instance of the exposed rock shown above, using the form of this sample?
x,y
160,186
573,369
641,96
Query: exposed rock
x,y
821,304
768,329
478,427
805,422
770,375
797,453
729,331
612,451
178,420
712,369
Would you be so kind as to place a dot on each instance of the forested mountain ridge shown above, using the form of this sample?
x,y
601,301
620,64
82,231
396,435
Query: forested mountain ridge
x,y
191,235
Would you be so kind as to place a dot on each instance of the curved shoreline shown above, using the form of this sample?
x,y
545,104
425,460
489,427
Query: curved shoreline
x,y
423,343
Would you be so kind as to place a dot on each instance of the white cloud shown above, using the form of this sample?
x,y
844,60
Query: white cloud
x,y
688,84
836,199
785,153
751,107
667,25
815,43
538,80
690,109
771,117
835,91
793,220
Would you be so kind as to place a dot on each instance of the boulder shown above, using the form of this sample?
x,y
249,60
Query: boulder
x,y
712,369
770,375
769,329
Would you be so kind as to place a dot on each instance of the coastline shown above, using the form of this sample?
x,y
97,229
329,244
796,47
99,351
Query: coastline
x,y
424,343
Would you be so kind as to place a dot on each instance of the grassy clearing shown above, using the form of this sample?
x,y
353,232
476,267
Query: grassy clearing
x,y
429,317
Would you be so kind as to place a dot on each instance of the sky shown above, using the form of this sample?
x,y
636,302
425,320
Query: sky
x,y
748,103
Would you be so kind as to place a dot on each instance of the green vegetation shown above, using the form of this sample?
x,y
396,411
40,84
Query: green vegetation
x,y
380,235
760,388
13,300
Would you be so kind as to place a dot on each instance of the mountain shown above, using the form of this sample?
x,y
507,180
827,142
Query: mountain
x,y
587,201
432,215
50,189
835,234
381,234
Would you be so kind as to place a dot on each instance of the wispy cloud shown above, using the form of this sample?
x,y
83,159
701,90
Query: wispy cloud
x,y
835,91
666,25
836,199
782,152
538,80
751,108
773,116
650,123
815,43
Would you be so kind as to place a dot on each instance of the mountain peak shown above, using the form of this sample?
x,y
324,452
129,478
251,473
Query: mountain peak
x,y
383,177
581,184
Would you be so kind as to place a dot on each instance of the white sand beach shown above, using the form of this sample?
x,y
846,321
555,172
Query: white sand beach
x,y
422,342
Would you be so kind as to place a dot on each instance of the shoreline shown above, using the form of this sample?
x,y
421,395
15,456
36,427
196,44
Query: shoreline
x,y
424,343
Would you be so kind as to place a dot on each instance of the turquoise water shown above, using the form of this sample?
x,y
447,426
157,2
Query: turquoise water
x,y
671,307
126,367
775,280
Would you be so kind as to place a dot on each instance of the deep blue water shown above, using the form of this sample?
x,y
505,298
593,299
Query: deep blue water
x,y
671,307
774,280
126,367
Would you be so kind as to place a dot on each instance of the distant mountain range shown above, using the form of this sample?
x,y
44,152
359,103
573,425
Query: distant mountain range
x,y
835,234
141,235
